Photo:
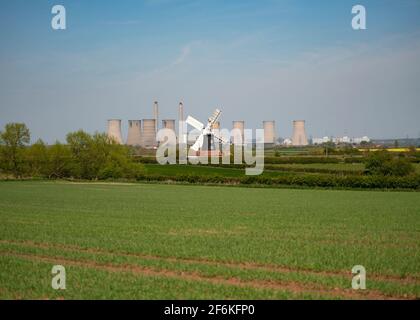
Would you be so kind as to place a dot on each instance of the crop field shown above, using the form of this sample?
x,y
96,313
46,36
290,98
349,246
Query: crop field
x,y
350,167
154,241
192,170
356,167
274,169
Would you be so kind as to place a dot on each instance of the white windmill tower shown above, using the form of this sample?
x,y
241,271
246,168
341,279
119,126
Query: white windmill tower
x,y
205,140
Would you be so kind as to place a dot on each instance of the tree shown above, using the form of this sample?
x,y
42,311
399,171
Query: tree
x,y
80,144
14,138
99,157
329,147
36,158
59,161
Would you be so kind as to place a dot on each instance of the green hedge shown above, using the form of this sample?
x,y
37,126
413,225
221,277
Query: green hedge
x,y
314,170
145,160
267,160
355,160
323,181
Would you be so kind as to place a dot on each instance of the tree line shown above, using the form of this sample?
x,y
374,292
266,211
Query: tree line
x,y
97,157
84,156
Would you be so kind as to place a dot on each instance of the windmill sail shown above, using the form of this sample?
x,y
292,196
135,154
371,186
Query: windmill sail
x,y
205,131
214,117
195,123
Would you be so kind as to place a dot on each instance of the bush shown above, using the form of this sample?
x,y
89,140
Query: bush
x,y
145,160
382,163
354,160
119,166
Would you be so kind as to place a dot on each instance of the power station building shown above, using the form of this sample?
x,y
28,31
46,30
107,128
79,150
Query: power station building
x,y
168,124
143,132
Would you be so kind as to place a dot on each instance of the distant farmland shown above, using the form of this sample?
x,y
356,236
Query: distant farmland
x,y
151,241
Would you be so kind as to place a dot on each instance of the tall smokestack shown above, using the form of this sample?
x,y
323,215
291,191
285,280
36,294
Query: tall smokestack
x,y
114,130
181,112
299,133
156,114
182,136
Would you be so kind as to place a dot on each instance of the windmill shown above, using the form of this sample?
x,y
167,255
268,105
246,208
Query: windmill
x,y
206,132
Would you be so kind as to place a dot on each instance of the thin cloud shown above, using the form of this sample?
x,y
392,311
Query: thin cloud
x,y
185,53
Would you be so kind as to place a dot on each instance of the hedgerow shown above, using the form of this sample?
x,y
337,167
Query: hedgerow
x,y
302,180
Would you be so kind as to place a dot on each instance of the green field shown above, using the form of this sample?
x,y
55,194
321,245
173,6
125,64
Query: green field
x,y
152,241
325,166
275,169
356,167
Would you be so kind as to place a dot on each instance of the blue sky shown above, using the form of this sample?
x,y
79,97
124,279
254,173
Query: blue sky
x,y
256,60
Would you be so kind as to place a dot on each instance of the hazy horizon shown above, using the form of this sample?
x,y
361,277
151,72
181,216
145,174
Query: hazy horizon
x,y
255,60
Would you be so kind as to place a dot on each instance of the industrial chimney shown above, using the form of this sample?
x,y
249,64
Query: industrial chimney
x,y
181,112
134,133
156,115
299,134
114,130
269,132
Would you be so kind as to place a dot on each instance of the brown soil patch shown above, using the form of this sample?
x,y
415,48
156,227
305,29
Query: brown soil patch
x,y
240,265
293,287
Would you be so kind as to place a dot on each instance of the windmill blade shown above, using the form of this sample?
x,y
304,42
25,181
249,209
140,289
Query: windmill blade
x,y
195,123
214,116
221,139
199,143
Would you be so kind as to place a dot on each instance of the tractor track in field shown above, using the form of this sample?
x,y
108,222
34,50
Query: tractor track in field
x,y
289,286
229,264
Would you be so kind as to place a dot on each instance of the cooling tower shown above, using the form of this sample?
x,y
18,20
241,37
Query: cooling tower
x,y
240,125
156,114
299,134
149,133
114,130
181,112
134,133
168,124
269,132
